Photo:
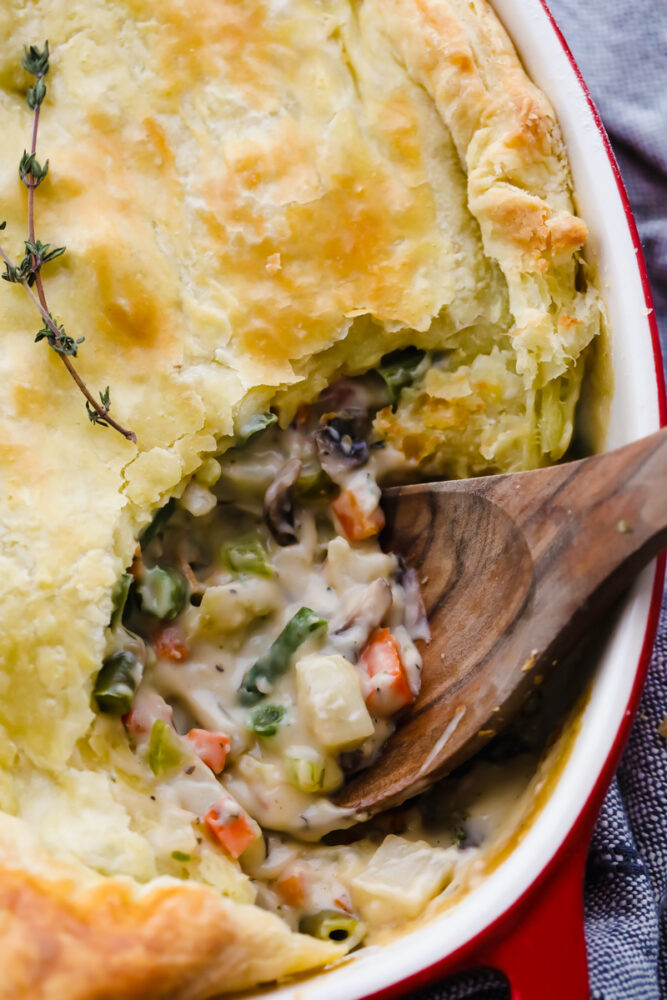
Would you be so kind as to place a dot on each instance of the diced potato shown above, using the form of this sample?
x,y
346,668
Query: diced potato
x,y
231,606
264,791
330,699
363,564
400,879
198,500
217,870
209,472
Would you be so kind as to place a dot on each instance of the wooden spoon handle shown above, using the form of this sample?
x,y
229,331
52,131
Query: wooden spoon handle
x,y
515,569
590,526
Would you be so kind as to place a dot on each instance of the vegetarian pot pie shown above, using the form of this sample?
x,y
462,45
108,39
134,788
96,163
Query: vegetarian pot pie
x,y
312,248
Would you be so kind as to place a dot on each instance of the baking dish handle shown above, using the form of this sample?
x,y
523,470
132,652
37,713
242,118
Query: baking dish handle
x,y
543,951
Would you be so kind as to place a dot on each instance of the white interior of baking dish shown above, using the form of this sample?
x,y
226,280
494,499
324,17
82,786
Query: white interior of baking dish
x,y
634,412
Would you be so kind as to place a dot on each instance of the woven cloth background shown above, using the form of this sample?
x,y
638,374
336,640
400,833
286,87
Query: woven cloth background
x,y
621,48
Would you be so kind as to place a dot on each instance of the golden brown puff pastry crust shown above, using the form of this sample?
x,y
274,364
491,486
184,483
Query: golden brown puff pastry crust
x,y
106,939
254,196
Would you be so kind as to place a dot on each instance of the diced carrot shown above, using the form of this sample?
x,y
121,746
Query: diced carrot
x,y
290,889
211,747
382,661
169,644
354,520
234,833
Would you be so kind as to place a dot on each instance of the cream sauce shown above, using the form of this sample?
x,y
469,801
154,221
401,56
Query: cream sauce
x,y
331,710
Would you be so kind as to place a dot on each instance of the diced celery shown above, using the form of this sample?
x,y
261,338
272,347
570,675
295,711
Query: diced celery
x,y
330,699
305,773
247,555
254,425
314,484
165,752
310,772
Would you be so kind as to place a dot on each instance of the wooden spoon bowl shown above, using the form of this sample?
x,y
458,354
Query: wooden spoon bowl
x,y
514,570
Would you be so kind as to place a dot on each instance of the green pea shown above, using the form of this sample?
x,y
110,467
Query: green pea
x,y
163,592
265,720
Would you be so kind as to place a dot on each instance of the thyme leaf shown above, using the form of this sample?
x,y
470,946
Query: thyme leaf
x,y
34,62
61,342
36,94
94,414
31,172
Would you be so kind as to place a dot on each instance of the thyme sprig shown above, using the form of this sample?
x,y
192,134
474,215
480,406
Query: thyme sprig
x,y
28,272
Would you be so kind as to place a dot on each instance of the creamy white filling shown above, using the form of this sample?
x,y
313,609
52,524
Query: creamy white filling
x,y
283,780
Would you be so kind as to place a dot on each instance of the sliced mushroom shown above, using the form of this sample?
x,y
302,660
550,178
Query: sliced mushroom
x,y
341,443
279,503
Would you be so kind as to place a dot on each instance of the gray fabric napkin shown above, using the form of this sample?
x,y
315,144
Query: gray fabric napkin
x,y
621,48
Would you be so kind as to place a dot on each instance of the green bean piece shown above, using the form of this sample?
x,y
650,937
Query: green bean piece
x,y
261,677
254,425
163,592
247,555
164,750
117,682
157,524
398,370
265,720
328,925
119,597
314,484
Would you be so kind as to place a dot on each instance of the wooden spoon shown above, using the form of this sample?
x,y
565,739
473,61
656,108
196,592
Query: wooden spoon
x,y
514,569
